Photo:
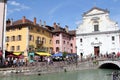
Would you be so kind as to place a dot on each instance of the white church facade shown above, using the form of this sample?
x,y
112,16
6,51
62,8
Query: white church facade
x,y
97,34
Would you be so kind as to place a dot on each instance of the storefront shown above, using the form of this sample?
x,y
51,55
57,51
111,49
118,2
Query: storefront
x,y
31,57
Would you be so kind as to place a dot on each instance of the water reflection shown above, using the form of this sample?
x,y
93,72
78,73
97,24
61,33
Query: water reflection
x,y
98,74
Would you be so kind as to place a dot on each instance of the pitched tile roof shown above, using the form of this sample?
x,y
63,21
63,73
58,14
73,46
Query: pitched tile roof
x,y
72,32
21,22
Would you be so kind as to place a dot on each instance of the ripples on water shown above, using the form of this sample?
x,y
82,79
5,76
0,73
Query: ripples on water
x,y
98,74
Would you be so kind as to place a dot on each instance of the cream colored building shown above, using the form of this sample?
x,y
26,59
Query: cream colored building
x,y
25,35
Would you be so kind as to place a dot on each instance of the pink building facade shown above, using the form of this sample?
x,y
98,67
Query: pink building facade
x,y
63,40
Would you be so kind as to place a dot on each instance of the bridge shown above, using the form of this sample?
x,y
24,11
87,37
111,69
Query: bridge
x,y
109,64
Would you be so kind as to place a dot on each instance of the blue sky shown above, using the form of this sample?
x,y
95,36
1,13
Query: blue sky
x,y
65,12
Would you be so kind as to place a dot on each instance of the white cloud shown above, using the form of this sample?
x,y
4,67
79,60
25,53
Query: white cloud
x,y
13,3
25,7
15,6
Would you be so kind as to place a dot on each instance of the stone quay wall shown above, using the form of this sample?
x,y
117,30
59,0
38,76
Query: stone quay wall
x,y
48,68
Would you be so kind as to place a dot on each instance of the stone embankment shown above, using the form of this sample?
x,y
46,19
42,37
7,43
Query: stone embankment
x,y
46,69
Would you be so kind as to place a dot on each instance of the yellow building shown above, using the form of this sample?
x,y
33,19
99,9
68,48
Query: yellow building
x,y
24,35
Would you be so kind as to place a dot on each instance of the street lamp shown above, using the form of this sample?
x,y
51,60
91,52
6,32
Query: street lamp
x,y
76,57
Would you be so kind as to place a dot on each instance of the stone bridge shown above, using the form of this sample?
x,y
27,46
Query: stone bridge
x,y
109,64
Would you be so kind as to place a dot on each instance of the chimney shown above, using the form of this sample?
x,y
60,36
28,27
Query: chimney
x,y
8,22
66,28
40,23
23,19
44,24
34,21
55,25
11,22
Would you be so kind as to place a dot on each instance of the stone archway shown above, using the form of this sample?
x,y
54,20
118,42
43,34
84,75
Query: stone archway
x,y
109,65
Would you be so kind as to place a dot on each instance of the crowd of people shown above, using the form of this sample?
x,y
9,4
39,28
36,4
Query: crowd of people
x,y
45,60
110,56
49,60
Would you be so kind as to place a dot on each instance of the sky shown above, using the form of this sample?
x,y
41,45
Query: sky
x,y
64,12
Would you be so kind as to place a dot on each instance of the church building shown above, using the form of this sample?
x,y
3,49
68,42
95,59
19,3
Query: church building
x,y
97,34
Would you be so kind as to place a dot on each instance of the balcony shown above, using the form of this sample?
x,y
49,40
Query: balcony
x,y
39,42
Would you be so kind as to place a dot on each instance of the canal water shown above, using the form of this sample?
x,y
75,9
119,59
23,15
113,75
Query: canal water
x,y
95,74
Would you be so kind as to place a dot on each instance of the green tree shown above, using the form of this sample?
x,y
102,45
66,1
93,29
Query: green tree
x,y
64,54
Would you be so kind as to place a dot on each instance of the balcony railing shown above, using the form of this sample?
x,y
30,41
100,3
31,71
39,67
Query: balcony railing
x,y
39,42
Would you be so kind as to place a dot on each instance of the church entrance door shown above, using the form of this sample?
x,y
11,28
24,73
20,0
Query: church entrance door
x,y
96,50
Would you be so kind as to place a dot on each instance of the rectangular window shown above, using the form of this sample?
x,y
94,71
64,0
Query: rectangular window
x,y
30,28
57,49
38,38
13,38
43,40
71,45
31,38
19,37
7,39
113,38
81,40
50,42
18,48
57,41
96,27
12,48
